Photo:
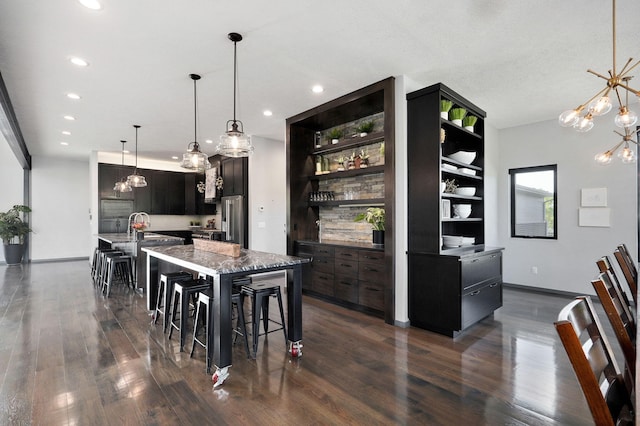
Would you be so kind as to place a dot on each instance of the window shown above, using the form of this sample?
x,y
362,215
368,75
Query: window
x,y
534,202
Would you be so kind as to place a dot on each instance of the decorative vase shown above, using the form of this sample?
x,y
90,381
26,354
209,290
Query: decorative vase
x,y
378,237
13,253
335,141
357,162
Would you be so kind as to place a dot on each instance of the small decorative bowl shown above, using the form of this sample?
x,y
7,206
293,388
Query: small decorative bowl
x,y
465,157
469,191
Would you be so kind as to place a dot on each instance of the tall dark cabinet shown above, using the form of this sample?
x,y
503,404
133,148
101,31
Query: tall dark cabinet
x,y
323,185
453,283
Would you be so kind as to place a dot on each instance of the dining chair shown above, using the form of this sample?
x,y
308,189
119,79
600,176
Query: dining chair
x,y
620,317
605,266
628,268
593,363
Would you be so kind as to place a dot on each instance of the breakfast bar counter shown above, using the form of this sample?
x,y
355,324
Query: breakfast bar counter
x,y
222,269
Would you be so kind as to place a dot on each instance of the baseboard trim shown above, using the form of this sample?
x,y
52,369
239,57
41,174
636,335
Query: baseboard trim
x,y
542,290
65,259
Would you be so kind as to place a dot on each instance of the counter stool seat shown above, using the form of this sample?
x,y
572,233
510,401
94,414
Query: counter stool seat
x,y
165,292
260,292
95,263
118,268
183,291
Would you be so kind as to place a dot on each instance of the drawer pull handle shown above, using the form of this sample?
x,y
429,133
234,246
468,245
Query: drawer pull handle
x,y
346,254
366,268
345,283
373,289
323,278
493,285
346,265
474,260
475,293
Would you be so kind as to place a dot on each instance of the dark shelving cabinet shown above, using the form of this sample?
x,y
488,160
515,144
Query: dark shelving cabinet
x,y
450,288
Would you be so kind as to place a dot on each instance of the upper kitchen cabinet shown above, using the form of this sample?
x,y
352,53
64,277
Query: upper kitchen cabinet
x,y
167,193
193,198
340,160
235,176
108,175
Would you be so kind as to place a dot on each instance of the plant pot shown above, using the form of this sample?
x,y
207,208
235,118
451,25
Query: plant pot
x,y
357,162
457,122
378,237
469,128
335,141
363,134
13,253
444,114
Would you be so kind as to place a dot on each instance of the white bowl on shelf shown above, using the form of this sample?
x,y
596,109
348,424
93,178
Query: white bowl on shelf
x,y
465,157
468,241
462,210
468,191
449,167
466,171
443,186
452,240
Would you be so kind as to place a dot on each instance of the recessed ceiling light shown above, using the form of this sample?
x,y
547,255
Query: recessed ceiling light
x,y
91,4
74,96
208,141
78,61
64,143
267,113
66,132
69,117
317,89
174,157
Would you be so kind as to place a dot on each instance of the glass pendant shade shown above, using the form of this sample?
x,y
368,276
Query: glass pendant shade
x,y
135,180
604,158
194,159
600,106
626,118
627,155
123,184
234,142
569,118
584,124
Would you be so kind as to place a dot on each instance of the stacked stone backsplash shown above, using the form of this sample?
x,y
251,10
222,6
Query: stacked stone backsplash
x,y
337,222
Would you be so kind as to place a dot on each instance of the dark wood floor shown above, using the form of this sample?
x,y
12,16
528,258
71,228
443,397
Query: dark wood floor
x,y
69,356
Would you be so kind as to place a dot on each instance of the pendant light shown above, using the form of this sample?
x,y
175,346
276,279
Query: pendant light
x,y
135,180
122,185
234,143
194,159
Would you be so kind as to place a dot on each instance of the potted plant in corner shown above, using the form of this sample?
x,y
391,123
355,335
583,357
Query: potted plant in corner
x,y
375,217
13,231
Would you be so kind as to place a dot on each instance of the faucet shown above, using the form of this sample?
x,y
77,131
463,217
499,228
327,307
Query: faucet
x,y
138,217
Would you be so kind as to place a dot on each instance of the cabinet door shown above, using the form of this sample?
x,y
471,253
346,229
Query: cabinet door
x,y
228,177
159,192
190,194
142,196
108,175
175,193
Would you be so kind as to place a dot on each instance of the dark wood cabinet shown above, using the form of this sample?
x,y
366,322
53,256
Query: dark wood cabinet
x,y
316,164
194,199
234,176
108,175
453,283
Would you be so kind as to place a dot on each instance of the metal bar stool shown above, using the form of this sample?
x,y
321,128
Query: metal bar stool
x,y
118,268
183,291
204,315
102,264
259,292
165,291
95,263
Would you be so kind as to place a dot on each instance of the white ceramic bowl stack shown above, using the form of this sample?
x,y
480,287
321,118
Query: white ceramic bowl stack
x,y
452,240
462,210
465,157
468,191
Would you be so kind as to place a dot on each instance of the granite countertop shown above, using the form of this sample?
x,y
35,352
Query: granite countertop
x,y
131,238
214,263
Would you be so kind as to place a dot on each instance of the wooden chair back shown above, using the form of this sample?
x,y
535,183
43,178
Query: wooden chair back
x,y
628,268
593,362
620,317
605,266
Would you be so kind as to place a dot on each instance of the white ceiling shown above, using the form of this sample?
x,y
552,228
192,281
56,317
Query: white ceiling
x,y
521,61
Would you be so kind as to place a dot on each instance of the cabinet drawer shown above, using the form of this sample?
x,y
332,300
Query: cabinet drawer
x,y
370,256
480,303
346,288
322,264
346,267
321,250
371,272
371,295
346,253
304,250
479,269
322,283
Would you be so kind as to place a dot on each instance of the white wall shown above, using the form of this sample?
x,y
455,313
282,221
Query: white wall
x,y
400,207
267,196
568,263
11,176
60,199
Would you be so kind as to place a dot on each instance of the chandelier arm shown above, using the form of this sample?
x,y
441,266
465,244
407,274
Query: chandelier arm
x,y
598,74
630,89
618,96
581,107
624,69
618,133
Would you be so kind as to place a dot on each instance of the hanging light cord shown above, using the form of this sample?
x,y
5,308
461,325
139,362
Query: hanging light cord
x,y
235,78
195,115
137,127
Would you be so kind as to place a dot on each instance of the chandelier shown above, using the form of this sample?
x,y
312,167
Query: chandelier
x,y
194,159
135,180
122,185
234,142
600,103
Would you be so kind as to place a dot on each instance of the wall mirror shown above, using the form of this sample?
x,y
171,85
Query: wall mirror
x,y
534,202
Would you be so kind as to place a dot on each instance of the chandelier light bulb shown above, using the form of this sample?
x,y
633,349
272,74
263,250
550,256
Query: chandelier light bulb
x,y
604,158
600,106
584,124
627,155
569,118
625,117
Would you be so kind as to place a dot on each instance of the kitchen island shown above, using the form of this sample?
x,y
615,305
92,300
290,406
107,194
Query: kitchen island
x,y
132,246
222,269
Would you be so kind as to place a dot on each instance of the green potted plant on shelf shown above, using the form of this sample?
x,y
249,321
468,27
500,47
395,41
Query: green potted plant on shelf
x,y
445,106
365,128
456,115
334,135
469,121
13,231
375,216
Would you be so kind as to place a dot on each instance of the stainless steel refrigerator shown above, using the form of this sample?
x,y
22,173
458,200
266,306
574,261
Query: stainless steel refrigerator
x,y
233,218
